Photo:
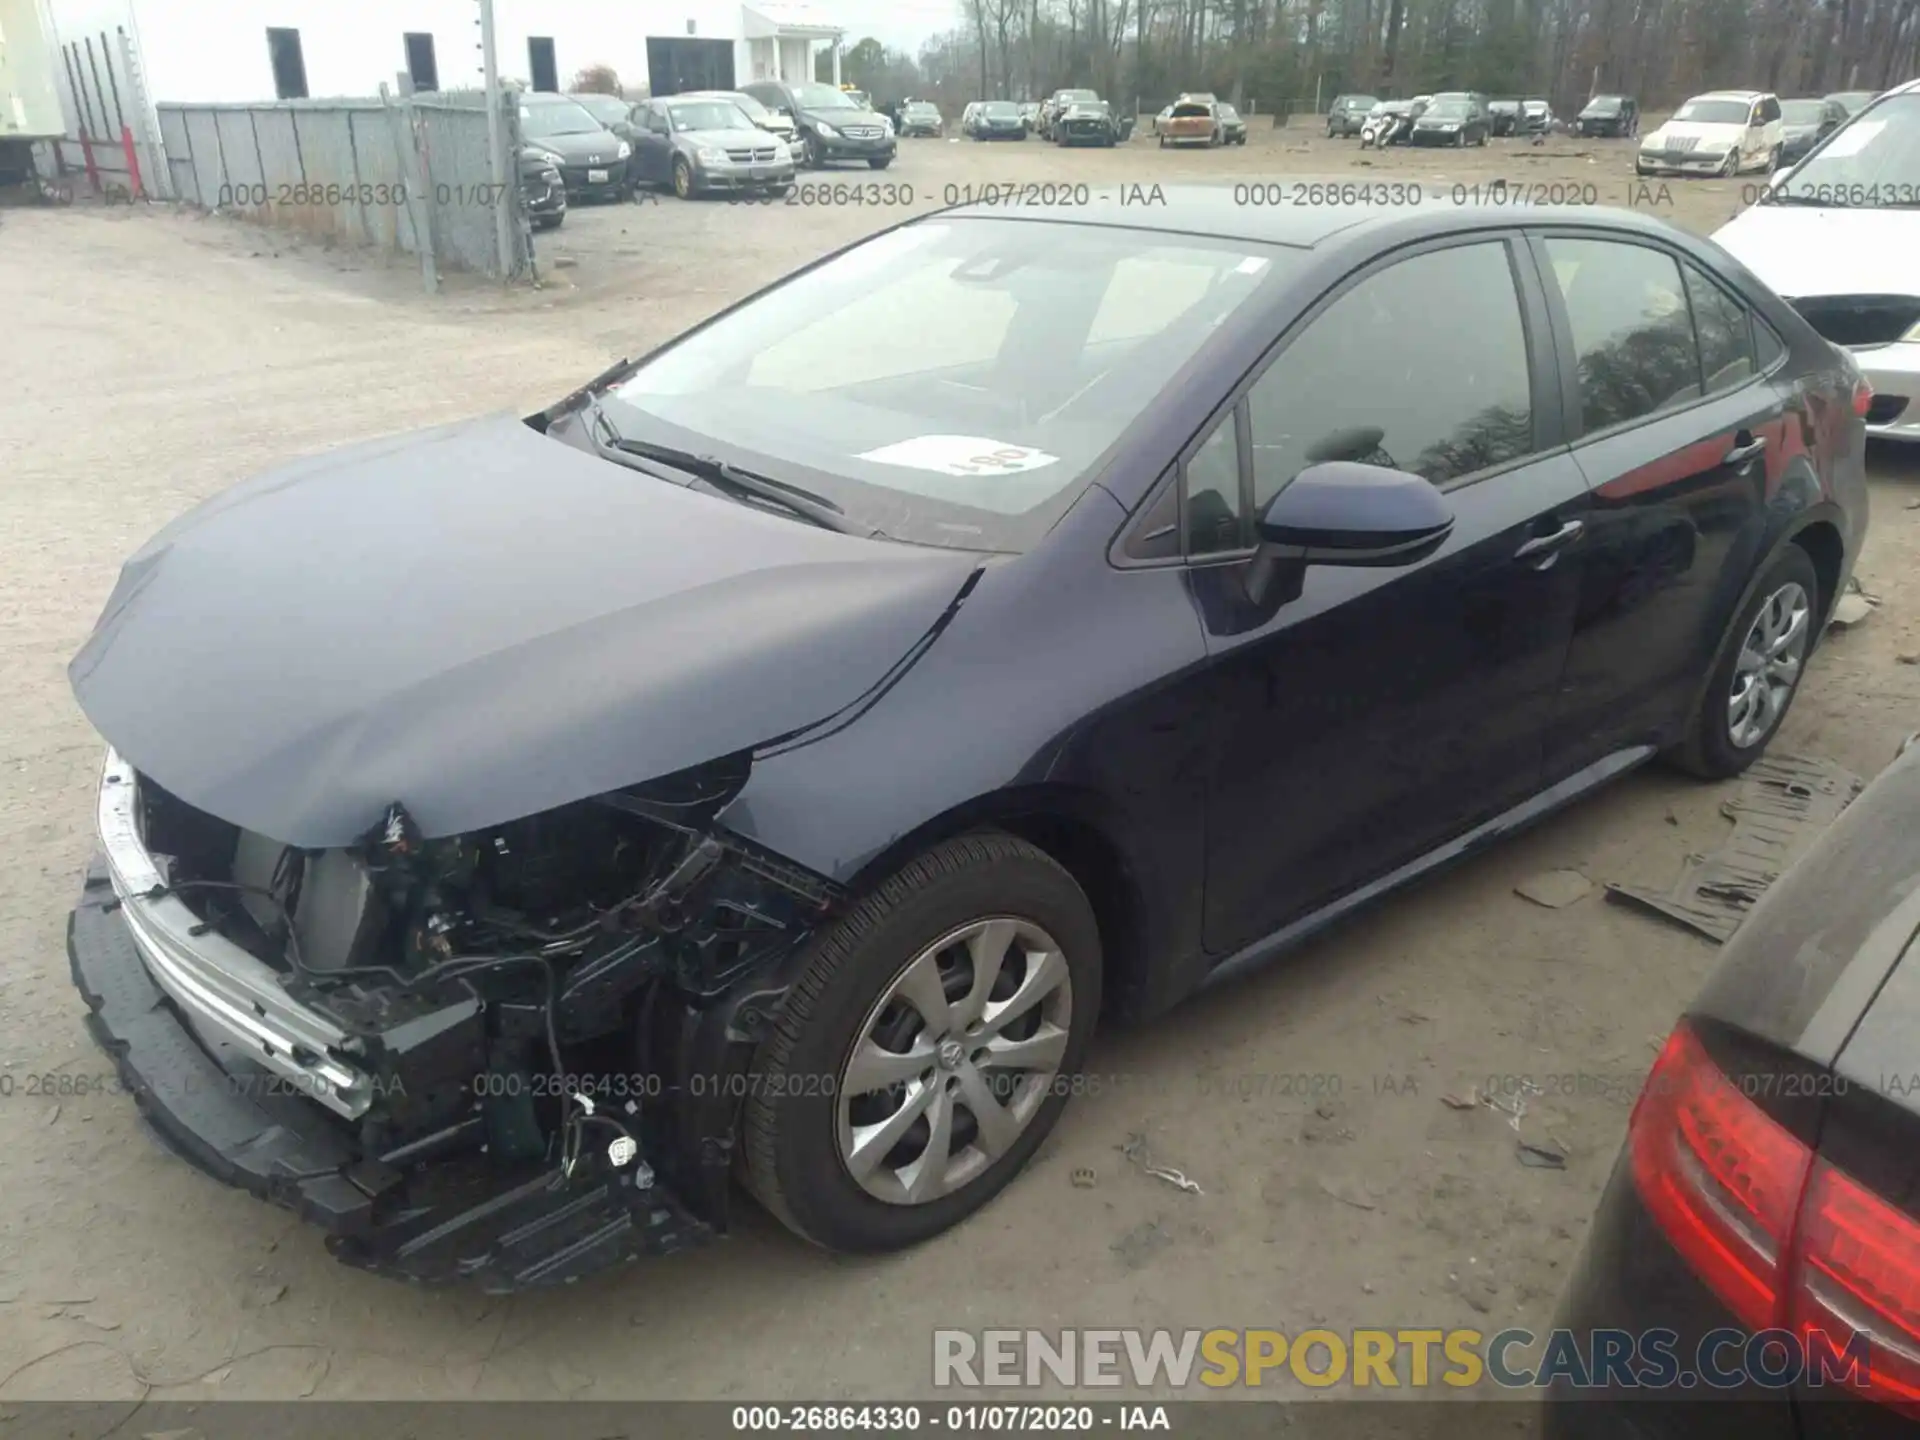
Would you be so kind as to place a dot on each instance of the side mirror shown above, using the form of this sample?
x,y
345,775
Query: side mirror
x,y
1341,512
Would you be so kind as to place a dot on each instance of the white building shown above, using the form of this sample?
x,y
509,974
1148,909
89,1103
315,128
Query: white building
x,y
250,50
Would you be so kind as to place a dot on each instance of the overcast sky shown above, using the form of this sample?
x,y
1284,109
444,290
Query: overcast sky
x,y
897,24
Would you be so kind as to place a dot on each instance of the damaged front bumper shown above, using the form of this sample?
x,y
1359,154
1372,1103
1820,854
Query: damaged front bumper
x,y
381,1121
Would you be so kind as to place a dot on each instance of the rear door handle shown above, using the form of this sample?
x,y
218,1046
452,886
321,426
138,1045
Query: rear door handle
x,y
1744,450
1542,548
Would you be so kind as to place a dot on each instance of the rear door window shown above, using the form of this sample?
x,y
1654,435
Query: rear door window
x,y
1631,325
1723,329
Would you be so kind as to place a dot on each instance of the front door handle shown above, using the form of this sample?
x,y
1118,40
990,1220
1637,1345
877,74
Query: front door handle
x,y
1745,446
1542,548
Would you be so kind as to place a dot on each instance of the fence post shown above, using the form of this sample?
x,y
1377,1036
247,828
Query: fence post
x,y
500,172
406,150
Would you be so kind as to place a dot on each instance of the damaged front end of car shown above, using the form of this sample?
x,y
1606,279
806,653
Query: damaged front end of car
x,y
513,1056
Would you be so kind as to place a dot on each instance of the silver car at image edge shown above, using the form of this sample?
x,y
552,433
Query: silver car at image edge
x,y
1838,235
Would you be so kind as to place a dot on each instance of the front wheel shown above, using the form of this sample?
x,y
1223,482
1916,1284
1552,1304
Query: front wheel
x,y
683,179
1731,166
927,1048
810,153
1758,674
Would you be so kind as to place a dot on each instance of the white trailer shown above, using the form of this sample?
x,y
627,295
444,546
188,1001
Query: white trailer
x,y
29,97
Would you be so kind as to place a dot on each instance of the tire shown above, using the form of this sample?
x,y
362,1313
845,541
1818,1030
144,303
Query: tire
x,y
1732,167
1708,748
1460,140
880,164
1163,142
682,179
810,152
791,1142
1773,158
549,222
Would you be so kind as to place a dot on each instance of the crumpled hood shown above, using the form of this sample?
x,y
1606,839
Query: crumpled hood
x,y
1794,249
482,623
1702,132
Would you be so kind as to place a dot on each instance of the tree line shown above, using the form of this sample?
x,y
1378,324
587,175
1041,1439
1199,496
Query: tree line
x,y
1280,55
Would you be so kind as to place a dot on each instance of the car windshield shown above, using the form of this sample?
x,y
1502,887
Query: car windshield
x,y
1714,112
707,115
1001,109
1505,107
822,97
1227,112
1067,97
750,107
1192,110
1446,110
547,118
1603,105
1801,112
953,382
1363,102
922,107
1853,101
1534,107
1873,161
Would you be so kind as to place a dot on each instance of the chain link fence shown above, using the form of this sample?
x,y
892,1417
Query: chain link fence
x,y
407,174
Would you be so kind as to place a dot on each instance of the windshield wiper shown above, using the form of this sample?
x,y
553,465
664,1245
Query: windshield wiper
x,y
738,484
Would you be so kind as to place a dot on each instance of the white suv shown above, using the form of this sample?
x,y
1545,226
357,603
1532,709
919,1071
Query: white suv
x,y
1723,132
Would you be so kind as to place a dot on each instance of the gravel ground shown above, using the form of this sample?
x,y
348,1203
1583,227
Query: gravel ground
x,y
148,359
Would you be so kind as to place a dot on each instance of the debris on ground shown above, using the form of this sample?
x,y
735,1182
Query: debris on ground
x,y
1913,659
1136,1152
1469,1101
1851,610
1347,1194
1084,1178
1555,889
1785,803
1540,1157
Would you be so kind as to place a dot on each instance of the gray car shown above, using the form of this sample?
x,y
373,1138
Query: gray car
x,y
699,145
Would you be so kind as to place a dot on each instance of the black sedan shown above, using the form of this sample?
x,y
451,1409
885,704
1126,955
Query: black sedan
x,y
751,766
1088,122
996,120
1763,1213
1450,121
1805,123
591,159
1617,116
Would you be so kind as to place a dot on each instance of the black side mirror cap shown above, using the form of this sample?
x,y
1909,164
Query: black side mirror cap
x,y
1343,512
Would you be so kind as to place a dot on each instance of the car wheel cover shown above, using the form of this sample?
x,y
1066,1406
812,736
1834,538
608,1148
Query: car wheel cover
x,y
682,180
1769,664
954,1060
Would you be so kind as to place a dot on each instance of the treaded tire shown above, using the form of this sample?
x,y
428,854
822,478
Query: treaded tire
x,y
790,1151
1708,750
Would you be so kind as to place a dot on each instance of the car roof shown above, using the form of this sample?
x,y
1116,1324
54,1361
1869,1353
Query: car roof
x,y
1215,212
1731,95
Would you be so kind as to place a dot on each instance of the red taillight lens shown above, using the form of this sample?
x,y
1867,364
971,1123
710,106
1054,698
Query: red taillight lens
x,y
1858,1272
1719,1175
1784,1239
1862,398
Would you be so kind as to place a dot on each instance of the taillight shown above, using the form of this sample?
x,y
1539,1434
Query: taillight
x,y
1785,1239
1862,397
1719,1175
1858,1272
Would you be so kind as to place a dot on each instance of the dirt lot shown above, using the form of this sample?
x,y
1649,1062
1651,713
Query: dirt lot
x,y
148,359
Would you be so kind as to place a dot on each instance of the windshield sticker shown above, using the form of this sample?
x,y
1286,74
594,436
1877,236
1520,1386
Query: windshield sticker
x,y
961,455
1853,139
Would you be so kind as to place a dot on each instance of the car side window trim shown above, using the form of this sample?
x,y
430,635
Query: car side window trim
x,y
1576,433
1552,430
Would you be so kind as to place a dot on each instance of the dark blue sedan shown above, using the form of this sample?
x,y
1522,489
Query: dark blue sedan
x,y
775,757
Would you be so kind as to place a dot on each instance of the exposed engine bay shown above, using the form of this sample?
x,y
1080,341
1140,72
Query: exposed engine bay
x,y
553,1000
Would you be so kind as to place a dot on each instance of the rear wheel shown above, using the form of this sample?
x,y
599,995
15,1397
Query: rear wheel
x,y
944,1017
1758,674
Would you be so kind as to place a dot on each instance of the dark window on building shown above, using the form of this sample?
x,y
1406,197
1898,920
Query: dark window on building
x,y
421,68
1632,328
1726,337
540,61
1419,367
289,65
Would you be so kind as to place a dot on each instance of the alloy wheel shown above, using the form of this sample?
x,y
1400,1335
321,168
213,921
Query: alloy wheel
x,y
1769,665
954,1060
